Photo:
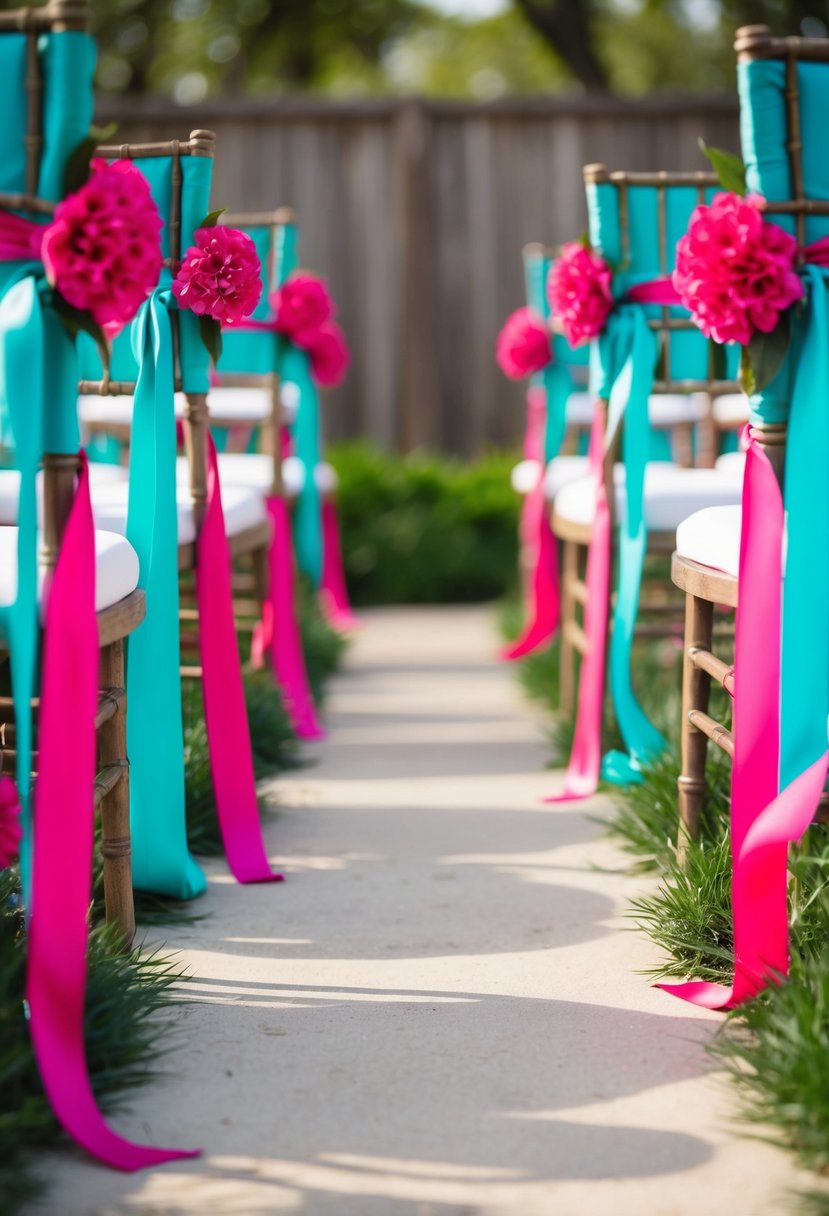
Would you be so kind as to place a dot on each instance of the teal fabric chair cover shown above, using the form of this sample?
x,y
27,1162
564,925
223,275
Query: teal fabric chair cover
x,y
260,352
38,366
623,369
557,378
798,396
143,355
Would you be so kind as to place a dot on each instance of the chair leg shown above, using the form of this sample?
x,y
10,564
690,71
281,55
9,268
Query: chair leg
x,y
567,662
115,804
261,576
696,686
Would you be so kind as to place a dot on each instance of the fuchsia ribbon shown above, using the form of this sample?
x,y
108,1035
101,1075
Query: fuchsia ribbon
x,y
278,633
544,609
225,713
763,823
582,775
20,239
63,844
334,601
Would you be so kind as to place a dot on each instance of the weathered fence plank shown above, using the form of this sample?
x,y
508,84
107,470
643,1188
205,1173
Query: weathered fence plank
x,y
417,211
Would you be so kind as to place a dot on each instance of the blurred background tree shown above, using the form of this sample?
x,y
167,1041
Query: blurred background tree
x,y
192,49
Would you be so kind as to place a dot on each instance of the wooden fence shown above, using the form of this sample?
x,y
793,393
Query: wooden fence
x,y
417,211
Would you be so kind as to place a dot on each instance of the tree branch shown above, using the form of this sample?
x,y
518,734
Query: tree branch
x,y
565,25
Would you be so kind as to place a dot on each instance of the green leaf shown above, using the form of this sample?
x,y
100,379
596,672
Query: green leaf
x,y
717,360
76,174
212,218
766,352
746,377
583,239
729,168
211,336
75,321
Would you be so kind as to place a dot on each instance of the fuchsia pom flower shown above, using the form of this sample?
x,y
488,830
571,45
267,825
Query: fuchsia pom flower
x,y
523,346
10,831
301,305
735,271
102,251
580,293
220,276
328,352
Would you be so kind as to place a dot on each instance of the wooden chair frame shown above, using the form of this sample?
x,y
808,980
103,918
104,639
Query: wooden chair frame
x,y
251,541
60,470
576,538
704,587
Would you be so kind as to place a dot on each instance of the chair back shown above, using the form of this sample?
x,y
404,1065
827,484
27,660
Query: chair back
x,y
784,99
179,173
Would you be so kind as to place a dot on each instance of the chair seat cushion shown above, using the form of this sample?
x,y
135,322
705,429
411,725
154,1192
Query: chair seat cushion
x,y
254,471
733,463
243,509
730,410
116,568
561,471
671,494
99,474
227,406
525,476
711,537
665,410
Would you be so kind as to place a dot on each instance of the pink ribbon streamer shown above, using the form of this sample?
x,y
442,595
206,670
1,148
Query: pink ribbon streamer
x,y
20,239
584,768
763,823
543,601
278,632
228,735
334,601
63,845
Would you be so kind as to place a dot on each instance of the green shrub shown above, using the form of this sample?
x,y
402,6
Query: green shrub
x,y
426,529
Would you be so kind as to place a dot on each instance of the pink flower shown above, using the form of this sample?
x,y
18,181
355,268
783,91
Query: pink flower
x,y
329,355
523,346
735,272
301,305
10,831
580,293
220,276
102,251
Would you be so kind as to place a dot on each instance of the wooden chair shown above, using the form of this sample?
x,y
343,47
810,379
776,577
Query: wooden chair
x,y
684,365
247,525
706,559
121,607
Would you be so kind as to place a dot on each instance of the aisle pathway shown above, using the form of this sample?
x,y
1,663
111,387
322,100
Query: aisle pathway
x,y
439,1014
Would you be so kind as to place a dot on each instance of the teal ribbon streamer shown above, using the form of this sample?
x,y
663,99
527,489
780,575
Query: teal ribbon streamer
x,y
38,375
161,861
558,385
805,637
625,356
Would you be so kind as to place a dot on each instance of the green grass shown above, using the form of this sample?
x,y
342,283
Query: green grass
x,y
127,1036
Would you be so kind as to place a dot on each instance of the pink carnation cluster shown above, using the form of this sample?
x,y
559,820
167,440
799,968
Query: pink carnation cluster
x,y
580,292
10,831
735,271
523,346
220,276
304,312
102,250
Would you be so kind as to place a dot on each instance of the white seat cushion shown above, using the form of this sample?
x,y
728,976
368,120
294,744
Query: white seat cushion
x,y
730,410
664,409
99,474
525,476
733,463
254,471
561,471
116,568
227,406
671,494
243,509
711,537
